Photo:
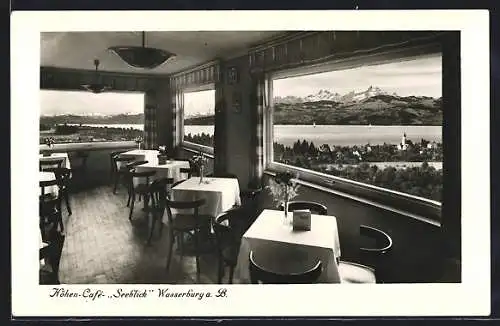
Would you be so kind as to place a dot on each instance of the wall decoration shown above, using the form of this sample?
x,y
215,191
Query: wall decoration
x,y
232,75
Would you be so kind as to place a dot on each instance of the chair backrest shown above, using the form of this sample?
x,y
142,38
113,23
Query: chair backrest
x,y
159,191
259,274
194,205
376,256
63,175
188,171
227,228
112,157
52,163
314,207
143,174
121,160
48,183
136,163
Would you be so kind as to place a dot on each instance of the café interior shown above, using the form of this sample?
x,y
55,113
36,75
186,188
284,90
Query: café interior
x,y
165,210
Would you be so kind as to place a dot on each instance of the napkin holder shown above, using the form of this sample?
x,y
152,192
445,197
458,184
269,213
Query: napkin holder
x,y
301,220
162,159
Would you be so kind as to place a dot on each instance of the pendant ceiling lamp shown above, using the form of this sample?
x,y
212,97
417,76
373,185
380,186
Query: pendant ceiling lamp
x,y
142,56
96,87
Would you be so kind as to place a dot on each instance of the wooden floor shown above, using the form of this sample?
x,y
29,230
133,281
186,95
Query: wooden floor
x,y
103,246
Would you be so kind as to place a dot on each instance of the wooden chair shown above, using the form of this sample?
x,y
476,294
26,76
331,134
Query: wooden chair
x,y
315,208
186,224
49,207
374,260
51,254
261,275
53,163
229,229
113,169
159,192
63,176
121,171
141,190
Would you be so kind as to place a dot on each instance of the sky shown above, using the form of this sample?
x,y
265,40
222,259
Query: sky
x,y
420,77
79,102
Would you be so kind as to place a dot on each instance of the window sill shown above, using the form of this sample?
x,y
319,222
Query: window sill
x,y
196,148
414,207
92,146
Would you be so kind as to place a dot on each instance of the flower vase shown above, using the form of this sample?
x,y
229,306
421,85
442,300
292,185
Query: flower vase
x,y
139,146
285,215
201,173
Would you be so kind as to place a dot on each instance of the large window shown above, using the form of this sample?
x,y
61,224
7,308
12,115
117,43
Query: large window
x,y
377,123
78,116
199,117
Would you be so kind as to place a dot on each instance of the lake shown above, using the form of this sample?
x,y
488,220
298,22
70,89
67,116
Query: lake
x,y
331,134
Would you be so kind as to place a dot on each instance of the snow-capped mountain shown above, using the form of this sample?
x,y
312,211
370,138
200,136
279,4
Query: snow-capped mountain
x,y
326,95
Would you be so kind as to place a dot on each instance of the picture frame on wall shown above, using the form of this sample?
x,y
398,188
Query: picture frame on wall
x,y
232,75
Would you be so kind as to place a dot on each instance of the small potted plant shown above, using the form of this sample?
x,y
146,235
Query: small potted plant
x,y
162,156
283,188
49,141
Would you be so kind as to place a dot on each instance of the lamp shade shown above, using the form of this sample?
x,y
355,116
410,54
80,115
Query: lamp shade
x,y
142,57
96,87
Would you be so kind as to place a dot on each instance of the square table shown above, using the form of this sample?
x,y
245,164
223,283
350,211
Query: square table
x,y
221,194
171,169
55,156
150,155
269,231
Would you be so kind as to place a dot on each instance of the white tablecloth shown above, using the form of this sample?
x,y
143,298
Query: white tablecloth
x,y
269,232
48,176
169,170
55,156
221,194
142,154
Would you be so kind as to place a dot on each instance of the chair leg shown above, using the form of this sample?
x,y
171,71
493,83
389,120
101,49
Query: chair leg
x,y
231,274
220,273
131,207
66,198
169,257
60,221
197,255
153,222
116,183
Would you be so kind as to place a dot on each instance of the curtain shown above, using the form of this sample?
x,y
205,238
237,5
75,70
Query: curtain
x,y
150,127
257,145
220,132
176,107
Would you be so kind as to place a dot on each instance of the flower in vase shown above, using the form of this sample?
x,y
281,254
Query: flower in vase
x,y
138,140
162,150
283,187
49,141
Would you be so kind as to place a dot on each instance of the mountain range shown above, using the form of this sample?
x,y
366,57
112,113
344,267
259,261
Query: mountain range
x,y
371,106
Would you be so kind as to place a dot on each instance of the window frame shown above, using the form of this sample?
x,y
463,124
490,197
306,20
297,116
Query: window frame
x,y
97,145
187,144
414,206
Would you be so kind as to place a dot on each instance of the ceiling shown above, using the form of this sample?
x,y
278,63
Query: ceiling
x,y
77,50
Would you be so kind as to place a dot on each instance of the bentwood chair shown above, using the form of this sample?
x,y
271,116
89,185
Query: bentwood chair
x,y
49,207
186,224
159,192
113,169
229,229
373,266
262,275
141,189
121,170
315,208
53,163
63,176
50,253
